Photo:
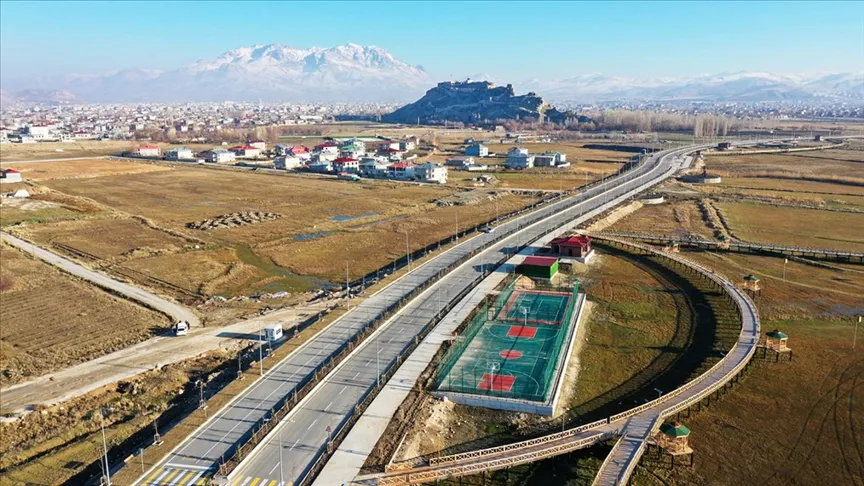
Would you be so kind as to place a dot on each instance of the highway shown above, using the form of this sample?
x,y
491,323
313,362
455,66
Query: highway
x,y
304,434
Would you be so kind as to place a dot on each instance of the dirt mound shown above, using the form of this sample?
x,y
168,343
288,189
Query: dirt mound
x,y
233,220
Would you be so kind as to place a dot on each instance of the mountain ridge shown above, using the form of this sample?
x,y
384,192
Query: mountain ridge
x,y
351,72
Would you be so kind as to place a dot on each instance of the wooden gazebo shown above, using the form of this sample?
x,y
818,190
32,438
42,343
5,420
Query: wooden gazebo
x,y
751,283
776,341
673,437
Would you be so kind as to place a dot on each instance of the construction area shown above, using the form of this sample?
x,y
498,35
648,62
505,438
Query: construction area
x,y
512,353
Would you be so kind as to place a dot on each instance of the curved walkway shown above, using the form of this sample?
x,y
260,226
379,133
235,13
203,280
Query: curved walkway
x,y
633,426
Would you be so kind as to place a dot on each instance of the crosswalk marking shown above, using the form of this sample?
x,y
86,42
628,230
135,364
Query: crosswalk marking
x,y
155,473
170,477
181,479
159,479
255,481
272,483
195,478
246,481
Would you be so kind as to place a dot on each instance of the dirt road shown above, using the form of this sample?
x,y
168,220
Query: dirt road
x,y
176,311
123,364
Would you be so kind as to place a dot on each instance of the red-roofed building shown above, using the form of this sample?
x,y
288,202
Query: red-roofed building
x,y
401,170
148,151
10,175
346,164
572,246
246,151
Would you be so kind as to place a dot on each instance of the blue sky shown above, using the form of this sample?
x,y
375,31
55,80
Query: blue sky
x,y
509,39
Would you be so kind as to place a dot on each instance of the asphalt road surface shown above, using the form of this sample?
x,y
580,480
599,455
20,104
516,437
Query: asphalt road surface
x,y
305,432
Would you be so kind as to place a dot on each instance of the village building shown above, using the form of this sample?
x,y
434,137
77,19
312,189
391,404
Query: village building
x,y
321,166
10,176
401,171
218,156
430,172
575,247
257,143
387,146
180,153
246,151
346,164
353,148
551,159
287,162
409,143
373,166
538,267
147,151
477,149
300,151
519,158
326,152
459,161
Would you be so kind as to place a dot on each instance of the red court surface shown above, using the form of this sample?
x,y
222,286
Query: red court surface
x,y
502,383
522,331
510,354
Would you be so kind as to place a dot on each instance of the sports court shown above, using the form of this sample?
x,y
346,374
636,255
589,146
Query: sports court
x,y
512,348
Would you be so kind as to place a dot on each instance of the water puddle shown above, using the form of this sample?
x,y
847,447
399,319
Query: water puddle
x,y
312,236
349,218
288,281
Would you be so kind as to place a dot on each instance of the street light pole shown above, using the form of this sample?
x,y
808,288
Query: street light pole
x,y
407,252
281,469
347,287
855,334
105,447
260,351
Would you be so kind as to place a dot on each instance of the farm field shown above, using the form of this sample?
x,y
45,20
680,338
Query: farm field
x,y
51,321
810,434
81,148
679,219
141,232
76,169
795,226
826,164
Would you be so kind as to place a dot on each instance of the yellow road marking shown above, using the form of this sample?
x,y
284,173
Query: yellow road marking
x,y
187,477
153,476
170,477
254,481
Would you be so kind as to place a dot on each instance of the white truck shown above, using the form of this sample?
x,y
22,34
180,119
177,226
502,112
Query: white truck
x,y
181,328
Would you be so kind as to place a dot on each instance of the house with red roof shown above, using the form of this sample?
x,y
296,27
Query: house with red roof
x,y
346,164
246,151
147,151
10,176
401,171
577,246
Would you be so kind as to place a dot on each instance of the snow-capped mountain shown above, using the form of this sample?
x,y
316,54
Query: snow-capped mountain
x,y
269,72
350,72
740,86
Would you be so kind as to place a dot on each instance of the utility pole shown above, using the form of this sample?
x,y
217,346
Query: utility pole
x,y
105,447
855,334
281,469
377,363
785,261
260,352
347,287
457,223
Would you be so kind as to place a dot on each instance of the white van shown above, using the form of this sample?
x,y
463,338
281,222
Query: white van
x,y
181,328
273,332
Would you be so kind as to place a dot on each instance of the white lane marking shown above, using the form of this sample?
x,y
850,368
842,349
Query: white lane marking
x,y
295,444
328,406
274,468
358,373
343,389
310,425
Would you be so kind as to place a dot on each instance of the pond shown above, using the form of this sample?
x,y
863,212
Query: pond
x,y
288,281
349,218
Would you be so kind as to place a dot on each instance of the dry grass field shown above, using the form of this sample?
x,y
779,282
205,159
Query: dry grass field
x,y
137,227
795,226
52,321
844,164
82,148
77,169
791,422
679,219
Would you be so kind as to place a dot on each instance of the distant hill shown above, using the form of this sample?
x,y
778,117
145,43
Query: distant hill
x,y
477,102
44,96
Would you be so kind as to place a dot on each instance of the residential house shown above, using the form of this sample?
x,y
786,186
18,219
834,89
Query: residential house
x,y
346,164
519,158
373,166
322,166
572,246
10,175
180,153
401,171
246,151
408,143
387,146
218,156
257,143
147,151
392,154
353,148
281,149
475,167
42,131
460,161
430,172
82,135
326,152
300,151
477,149
287,162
